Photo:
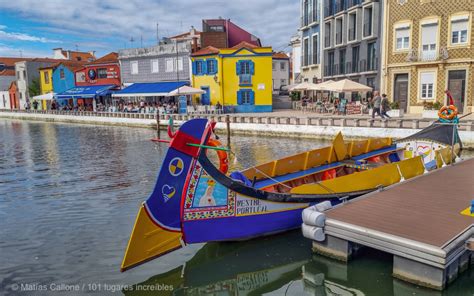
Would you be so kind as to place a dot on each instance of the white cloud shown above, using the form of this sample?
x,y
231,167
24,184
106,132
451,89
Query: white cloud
x,y
273,21
8,51
2,27
24,37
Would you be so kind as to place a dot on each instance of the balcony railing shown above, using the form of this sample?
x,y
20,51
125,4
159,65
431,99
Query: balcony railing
x,y
348,68
338,38
339,6
367,29
352,35
355,66
327,41
362,65
342,68
328,11
372,64
351,3
415,55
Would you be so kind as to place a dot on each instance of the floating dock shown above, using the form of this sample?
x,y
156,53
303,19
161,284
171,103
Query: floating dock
x,y
424,222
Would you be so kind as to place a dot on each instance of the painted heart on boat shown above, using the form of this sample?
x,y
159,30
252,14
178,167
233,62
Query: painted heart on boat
x,y
423,150
168,192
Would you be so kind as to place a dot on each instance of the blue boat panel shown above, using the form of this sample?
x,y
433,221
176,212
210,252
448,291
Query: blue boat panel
x,y
376,152
242,227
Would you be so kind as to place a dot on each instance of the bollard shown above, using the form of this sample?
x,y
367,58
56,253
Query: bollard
x,y
227,121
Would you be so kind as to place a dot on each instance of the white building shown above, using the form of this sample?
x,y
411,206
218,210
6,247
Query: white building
x,y
281,71
4,99
295,44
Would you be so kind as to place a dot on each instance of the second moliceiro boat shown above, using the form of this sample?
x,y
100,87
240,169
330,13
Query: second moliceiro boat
x,y
194,201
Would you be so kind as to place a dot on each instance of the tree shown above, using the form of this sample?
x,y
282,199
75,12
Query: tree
x,y
34,88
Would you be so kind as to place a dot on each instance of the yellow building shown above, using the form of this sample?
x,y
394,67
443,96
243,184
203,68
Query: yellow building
x,y
46,83
239,78
427,49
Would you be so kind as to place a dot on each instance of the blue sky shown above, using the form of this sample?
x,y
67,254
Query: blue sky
x,y
36,27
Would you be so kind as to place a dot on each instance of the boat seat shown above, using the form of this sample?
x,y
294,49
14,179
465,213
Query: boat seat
x,y
262,183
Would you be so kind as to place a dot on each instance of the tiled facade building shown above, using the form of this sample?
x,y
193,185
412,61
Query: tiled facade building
x,y
429,49
351,46
310,40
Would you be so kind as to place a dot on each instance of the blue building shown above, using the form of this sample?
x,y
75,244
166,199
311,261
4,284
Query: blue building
x,y
63,76
310,40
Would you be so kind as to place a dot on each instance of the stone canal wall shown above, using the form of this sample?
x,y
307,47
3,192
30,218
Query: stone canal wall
x,y
307,127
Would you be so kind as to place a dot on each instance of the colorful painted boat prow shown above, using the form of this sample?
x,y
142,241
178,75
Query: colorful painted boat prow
x,y
157,228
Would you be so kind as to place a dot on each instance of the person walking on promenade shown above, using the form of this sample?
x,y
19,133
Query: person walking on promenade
x,y
385,105
35,105
376,102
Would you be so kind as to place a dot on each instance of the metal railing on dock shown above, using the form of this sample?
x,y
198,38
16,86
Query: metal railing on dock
x,y
325,121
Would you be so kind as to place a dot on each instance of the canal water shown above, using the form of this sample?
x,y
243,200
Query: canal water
x,y
68,199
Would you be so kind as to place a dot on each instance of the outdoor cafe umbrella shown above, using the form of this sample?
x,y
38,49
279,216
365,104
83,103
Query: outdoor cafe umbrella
x,y
186,90
346,85
303,86
47,97
322,85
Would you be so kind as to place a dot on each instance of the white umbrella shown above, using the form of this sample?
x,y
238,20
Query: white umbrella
x,y
186,90
322,85
346,85
48,97
303,86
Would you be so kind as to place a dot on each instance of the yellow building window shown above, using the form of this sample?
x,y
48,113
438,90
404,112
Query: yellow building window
x,y
46,77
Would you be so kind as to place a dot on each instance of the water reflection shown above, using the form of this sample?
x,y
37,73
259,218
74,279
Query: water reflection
x,y
250,268
68,200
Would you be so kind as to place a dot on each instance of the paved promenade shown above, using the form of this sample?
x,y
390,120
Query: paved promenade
x,y
287,123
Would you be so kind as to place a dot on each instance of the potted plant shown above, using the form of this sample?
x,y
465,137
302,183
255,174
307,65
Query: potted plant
x,y
395,110
430,109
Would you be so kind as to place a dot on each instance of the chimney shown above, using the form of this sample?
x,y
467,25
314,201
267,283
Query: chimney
x,y
195,45
57,53
92,53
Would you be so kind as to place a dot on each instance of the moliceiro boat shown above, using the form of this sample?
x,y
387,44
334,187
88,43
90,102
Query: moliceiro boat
x,y
194,201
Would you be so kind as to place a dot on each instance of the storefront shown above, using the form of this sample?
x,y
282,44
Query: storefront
x,y
84,98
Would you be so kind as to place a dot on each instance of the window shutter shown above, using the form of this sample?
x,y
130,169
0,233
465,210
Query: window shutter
x,y
237,68
194,68
239,97
252,67
252,97
204,68
215,66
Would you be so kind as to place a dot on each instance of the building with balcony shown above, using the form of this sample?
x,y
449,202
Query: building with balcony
x,y
428,49
310,40
352,31
238,78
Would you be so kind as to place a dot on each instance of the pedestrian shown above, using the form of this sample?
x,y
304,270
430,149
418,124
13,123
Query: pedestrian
x,y
385,105
376,102
53,105
35,105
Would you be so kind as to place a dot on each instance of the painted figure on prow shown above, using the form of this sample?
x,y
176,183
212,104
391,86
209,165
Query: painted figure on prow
x,y
208,200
